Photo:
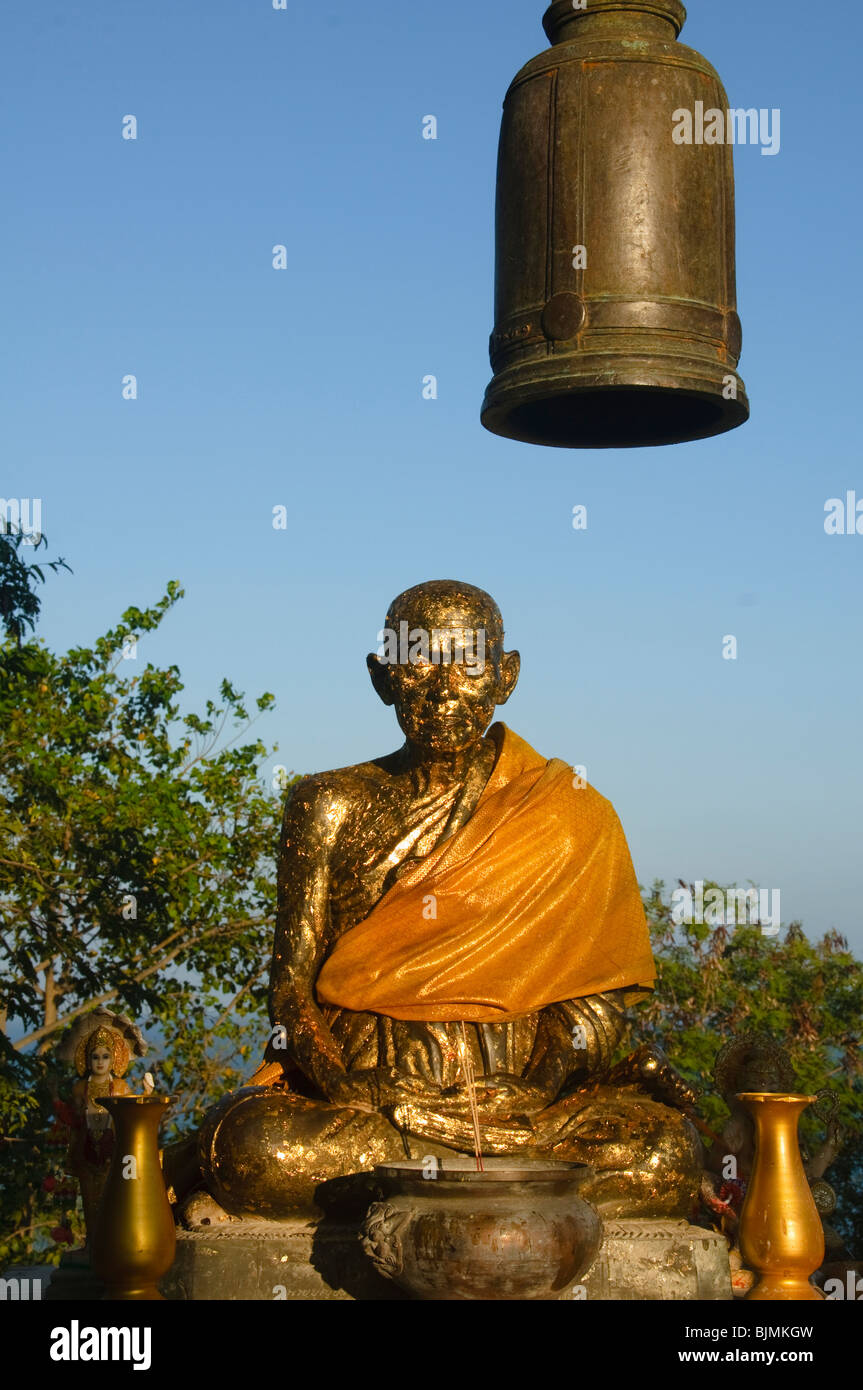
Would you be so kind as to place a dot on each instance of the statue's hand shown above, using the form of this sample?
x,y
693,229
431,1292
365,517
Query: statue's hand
x,y
498,1096
378,1088
649,1067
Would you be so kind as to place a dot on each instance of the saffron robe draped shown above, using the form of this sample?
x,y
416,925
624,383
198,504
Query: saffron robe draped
x,y
532,902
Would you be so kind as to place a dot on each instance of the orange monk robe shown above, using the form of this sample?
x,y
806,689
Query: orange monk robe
x,y
534,901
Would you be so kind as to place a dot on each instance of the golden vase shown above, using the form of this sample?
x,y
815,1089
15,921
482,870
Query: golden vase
x,y
134,1241
781,1236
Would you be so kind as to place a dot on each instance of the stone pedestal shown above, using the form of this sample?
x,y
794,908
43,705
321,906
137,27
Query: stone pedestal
x,y
642,1259
274,1260
301,1260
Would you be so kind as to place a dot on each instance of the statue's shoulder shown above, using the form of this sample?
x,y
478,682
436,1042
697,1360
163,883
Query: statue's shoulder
x,y
592,810
339,790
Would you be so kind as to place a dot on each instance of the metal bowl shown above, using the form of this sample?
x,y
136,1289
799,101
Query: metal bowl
x,y
517,1230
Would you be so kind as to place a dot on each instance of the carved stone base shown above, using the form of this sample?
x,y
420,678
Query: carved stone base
x,y
639,1259
295,1260
274,1260
642,1259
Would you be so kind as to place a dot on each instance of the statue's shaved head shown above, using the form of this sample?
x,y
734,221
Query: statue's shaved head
x,y
443,603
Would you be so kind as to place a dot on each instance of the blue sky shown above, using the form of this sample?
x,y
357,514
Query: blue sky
x,y
303,388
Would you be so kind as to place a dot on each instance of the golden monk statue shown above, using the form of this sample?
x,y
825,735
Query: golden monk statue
x,y
463,892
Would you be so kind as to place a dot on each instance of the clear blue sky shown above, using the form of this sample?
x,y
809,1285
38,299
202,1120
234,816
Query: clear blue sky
x,y
303,388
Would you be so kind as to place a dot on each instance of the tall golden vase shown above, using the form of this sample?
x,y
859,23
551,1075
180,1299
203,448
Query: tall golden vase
x,y
781,1236
134,1241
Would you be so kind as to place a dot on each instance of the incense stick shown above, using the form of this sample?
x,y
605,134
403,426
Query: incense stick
x,y
470,1082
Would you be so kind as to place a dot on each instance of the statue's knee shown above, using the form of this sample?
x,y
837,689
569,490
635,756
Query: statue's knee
x,y
265,1152
239,1142
678,1157
650,1163
666,1175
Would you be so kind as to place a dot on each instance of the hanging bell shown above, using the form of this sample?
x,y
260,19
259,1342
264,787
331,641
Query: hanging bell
x,y
615,303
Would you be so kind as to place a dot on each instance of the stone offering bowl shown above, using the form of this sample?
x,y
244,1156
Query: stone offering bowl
x,y
518,1230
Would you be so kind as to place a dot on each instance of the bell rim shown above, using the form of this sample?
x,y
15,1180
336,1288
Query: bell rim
x,y
507,405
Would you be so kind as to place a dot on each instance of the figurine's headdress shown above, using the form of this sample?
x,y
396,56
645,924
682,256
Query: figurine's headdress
x,y
753,1061
102,1028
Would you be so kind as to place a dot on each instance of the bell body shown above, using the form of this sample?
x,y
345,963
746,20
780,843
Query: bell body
x,y
781,1236
615,300
134,1241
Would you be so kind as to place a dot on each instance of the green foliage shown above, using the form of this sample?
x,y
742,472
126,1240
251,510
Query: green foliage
x,y
19,601
37,1198
716,981
137,851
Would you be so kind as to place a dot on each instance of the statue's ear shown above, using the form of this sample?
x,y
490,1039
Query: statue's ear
x,y
379,672
510,665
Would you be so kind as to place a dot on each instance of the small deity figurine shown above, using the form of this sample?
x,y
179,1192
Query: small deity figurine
x,y
101,1045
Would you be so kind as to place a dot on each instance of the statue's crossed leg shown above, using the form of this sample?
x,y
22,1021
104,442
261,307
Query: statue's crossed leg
x,y
265,1150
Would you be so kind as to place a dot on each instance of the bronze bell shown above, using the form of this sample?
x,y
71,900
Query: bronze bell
x,y
615,302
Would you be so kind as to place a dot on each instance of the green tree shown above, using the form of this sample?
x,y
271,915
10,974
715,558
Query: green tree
x,y
137,852
716,981
19,598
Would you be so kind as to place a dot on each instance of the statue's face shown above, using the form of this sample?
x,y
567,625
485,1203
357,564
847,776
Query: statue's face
x,y
444,705
100,1061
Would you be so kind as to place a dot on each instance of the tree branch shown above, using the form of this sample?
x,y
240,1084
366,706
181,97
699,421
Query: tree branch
x,y
103,998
